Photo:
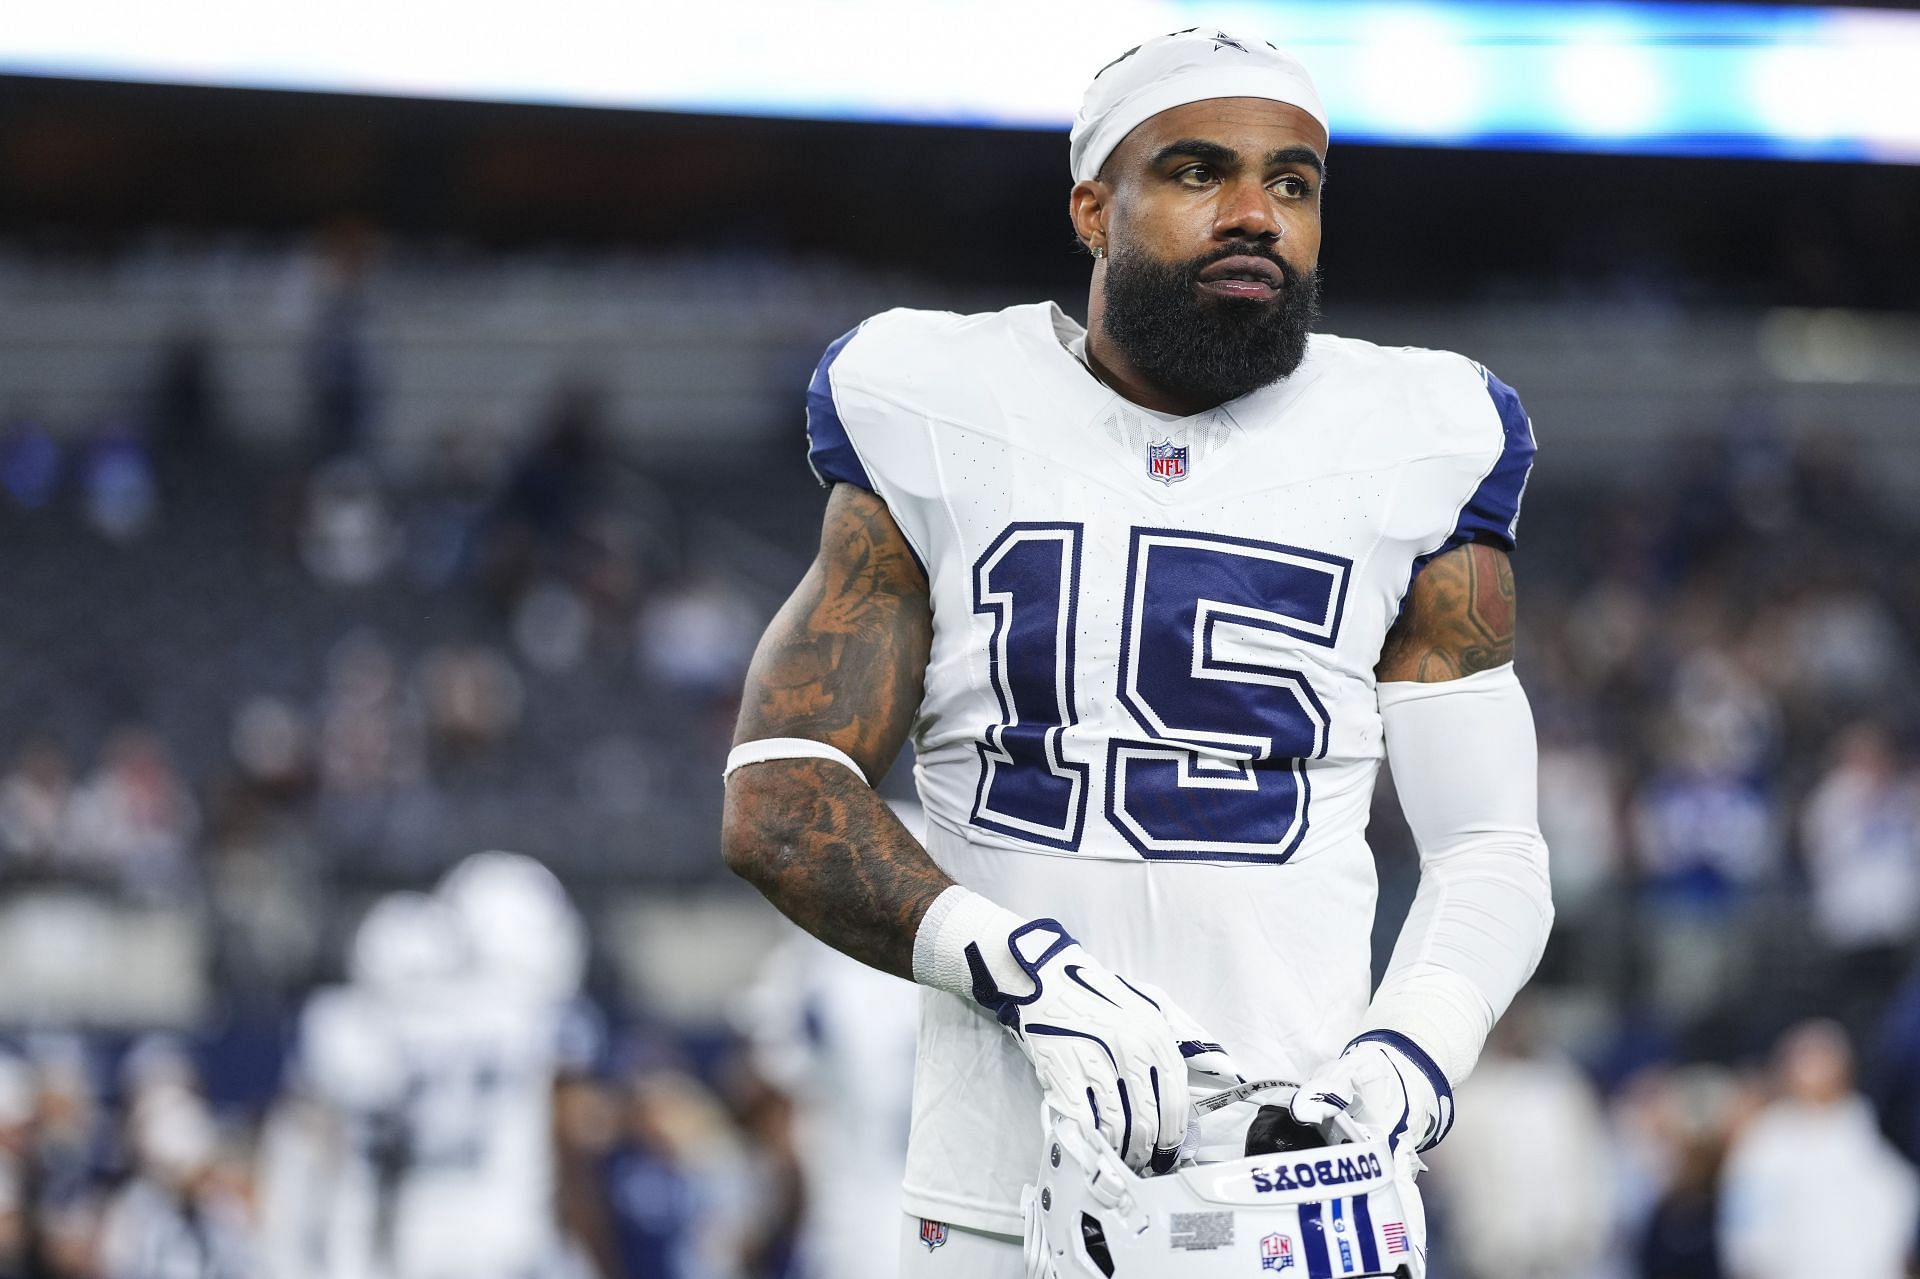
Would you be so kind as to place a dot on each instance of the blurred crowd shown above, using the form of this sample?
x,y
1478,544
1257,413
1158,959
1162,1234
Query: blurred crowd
x,y
307,648
256,693
1725,672
1685,1171
454,1107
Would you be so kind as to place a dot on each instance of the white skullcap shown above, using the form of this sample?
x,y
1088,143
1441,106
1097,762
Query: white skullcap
x,y
1173,70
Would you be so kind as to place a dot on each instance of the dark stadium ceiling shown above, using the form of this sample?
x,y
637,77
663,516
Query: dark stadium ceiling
x,y
94,165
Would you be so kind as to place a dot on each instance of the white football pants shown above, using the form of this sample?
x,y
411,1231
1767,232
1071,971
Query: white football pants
x,y
930,1250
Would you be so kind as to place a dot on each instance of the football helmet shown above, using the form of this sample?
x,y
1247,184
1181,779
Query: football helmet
x,y
406,943
522,933
1291,1201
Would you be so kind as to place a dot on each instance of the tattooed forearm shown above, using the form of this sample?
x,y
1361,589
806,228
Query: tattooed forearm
x,y
1458,621
842,663
833,857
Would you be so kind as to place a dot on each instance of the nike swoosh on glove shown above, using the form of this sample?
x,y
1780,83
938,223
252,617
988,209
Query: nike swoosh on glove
x,y
1101,1048
1386,1082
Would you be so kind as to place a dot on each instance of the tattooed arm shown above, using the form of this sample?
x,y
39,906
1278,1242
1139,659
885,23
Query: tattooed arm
x,y
1458,619
842,663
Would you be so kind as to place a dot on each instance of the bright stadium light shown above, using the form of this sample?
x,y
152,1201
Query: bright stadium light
x,y
1607,83
1798,92
1418,74
1706,79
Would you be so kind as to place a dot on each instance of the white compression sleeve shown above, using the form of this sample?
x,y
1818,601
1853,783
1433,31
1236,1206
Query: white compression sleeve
x,y
1466,766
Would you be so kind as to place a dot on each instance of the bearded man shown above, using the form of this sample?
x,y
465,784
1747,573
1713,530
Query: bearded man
x,y
1152,599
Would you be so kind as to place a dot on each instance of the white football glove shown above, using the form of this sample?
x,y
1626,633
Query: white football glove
x,y
1210,1070
1102,1048
1386,1082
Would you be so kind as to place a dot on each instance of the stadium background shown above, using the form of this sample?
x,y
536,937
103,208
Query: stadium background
x,y
386,479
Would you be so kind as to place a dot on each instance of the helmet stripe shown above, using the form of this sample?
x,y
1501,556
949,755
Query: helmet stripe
x,y
1363,1226
1313,1233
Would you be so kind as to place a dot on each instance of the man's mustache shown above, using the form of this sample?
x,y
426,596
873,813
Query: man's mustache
x,y
1246,249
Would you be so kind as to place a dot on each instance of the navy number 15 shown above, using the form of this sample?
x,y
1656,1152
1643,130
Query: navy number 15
x,y
1217,771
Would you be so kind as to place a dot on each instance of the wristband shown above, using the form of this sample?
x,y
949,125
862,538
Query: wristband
x,y
958,919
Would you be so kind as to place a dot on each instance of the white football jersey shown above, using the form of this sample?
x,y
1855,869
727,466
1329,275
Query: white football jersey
x,y
838,1038
1150,709
477,1195
321,1193
448,1096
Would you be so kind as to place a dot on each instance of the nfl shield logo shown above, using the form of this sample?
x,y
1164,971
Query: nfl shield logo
x,y
932,1233
1276,1252
1167,463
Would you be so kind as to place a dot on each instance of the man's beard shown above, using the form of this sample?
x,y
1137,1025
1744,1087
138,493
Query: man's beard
x,y
1202,349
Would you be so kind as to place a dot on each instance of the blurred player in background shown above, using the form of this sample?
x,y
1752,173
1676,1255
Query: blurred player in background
x,y
1152,599
433,1075
333,1151
837,1038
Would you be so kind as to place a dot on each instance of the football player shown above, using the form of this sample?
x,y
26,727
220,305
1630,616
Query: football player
x,y
438,1062
1152,599
836,1038
335,1148
813,1021
476,1200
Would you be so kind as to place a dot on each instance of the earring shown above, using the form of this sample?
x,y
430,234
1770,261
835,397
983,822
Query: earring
x,y
1097,251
